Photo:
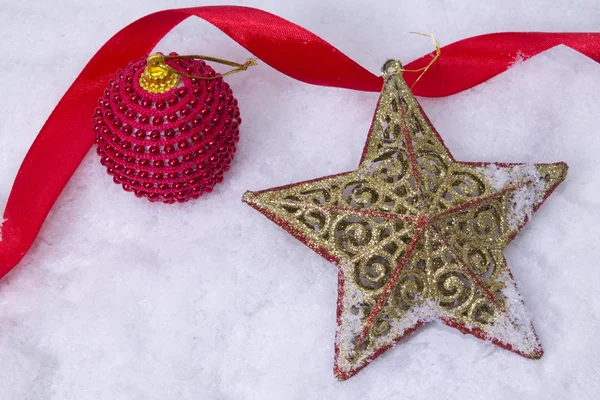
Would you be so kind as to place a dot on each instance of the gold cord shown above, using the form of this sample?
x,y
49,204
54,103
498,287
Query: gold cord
x,y
438,51
159,77
238,67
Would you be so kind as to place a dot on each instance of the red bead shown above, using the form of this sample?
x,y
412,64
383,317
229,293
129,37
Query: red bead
x,y
170,133
158,120
155,135
174,162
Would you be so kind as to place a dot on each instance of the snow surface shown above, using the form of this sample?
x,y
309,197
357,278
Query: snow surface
x,y
123,299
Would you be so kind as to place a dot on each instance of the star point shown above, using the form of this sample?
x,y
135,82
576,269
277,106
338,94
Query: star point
x,y
416,235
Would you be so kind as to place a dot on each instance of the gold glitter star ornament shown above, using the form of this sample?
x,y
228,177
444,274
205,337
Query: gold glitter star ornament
x,y
416,235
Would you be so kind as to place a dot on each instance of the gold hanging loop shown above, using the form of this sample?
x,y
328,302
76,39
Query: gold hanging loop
x,y
159,77
423,70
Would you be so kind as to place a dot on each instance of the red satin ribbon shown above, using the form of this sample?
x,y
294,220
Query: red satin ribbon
x,y
67,135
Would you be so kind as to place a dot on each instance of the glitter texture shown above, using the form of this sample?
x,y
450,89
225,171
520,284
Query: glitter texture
x,y
416,235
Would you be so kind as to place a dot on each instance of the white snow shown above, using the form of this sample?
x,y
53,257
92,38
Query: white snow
x,y
530,188
123,299
515,327
351,326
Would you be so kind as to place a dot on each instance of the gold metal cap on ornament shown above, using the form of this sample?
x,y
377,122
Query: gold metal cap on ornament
x,y
157,78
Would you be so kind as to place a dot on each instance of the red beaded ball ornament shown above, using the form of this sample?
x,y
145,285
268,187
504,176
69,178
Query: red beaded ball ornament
x,y
172,146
